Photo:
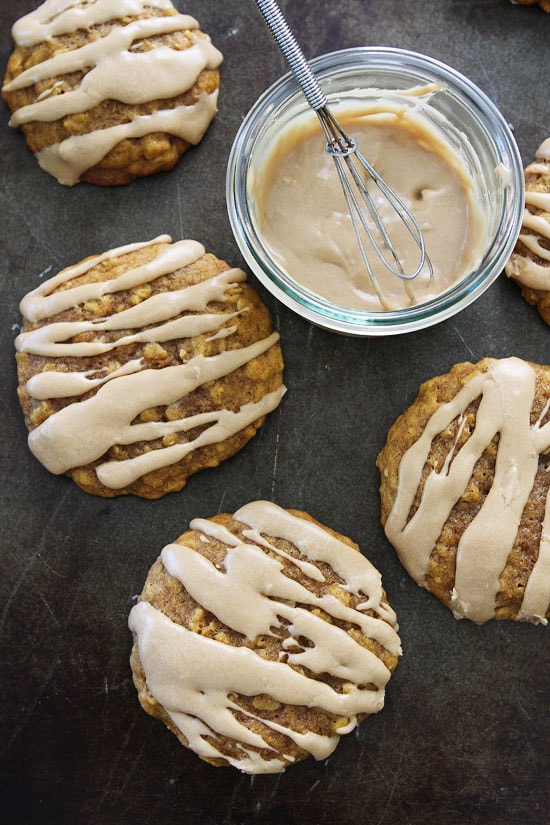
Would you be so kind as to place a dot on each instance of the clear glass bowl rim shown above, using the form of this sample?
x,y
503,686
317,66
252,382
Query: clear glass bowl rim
x,y
422,68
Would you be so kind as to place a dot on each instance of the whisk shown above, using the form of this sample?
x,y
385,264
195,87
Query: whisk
x,y
344,150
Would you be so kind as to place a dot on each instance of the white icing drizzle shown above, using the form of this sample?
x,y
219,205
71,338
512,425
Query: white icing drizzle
x,y
543,152
114,71
507,392
68,160
56,17
536,597
49,340
84,430
528,272
192,676
41,303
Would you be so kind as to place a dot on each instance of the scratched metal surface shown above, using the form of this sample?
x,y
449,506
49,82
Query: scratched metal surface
x,y
464,734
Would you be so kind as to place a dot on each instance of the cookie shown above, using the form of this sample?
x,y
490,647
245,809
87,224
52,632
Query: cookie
x,y
544,4
465,480
144,365
529,264
262,637
110,90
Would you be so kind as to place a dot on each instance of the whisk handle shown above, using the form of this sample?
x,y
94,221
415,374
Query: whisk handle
x,y
292,53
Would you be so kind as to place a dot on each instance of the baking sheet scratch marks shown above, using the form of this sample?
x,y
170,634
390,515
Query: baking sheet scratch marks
x,y
28,710
275,460
37,555
468,348
109,794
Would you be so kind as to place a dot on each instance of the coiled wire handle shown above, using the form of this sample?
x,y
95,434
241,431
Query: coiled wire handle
x,y
345,154
292,53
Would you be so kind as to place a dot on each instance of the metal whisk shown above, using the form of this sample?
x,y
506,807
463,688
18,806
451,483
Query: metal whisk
x,y
344,150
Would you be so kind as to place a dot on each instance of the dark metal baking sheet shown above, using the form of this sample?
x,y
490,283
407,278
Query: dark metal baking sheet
x,y
464,734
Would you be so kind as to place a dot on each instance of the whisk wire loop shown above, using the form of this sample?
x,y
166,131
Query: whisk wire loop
x,y
357,220
344,147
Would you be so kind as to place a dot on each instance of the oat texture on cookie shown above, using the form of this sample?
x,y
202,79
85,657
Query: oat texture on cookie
x,y
143,365
260,638
465,489
529,264
110,90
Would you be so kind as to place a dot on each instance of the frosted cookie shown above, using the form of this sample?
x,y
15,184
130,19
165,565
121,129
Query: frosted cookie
x,y
529,264
110,90
261,638
144,365
544,4
465,480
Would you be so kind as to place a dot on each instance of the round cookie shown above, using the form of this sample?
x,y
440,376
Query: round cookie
x,y
111,90
261,638
529,264
144,365
544,4
465,480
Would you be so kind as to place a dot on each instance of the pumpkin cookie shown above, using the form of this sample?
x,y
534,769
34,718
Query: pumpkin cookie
x,y
529,264
110,90
465,481
261,638
144,365
544,4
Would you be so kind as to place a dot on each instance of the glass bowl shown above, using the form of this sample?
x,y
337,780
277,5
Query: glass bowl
x,y
471,124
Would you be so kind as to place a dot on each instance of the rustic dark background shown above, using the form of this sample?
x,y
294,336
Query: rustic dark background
x,y
463,739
